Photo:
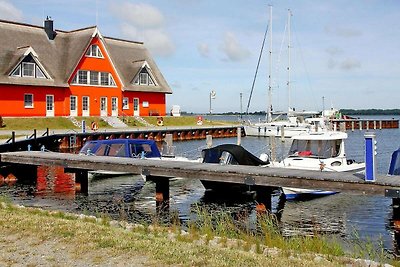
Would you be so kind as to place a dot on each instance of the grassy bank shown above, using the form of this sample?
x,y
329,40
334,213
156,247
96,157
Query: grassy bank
x,y
36,237
14,124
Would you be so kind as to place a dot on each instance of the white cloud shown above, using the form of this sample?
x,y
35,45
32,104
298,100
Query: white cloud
x,y
142,22
204,50
9,12
156,40
233,49
140,15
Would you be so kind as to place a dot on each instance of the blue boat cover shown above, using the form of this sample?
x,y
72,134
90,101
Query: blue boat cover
x,y
130,148
394,168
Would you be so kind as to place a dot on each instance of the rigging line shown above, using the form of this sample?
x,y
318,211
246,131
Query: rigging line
x,y
258,65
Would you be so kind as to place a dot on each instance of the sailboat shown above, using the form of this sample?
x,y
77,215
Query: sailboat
x,y
293,125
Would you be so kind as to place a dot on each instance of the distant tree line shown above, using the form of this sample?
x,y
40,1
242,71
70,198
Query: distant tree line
x,y
370,111
342,111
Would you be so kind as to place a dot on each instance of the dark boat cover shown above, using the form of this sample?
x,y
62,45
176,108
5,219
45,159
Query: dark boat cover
x,y
394,168
241,156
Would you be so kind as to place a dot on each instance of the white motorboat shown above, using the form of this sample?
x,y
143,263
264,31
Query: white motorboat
x,y
318,151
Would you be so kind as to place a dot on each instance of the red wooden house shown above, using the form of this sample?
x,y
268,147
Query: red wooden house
x,y
44,72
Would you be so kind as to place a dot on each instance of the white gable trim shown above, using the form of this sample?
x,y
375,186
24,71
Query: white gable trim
x,y
95,33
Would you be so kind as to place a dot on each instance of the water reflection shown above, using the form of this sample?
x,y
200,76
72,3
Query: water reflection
x,y
130,198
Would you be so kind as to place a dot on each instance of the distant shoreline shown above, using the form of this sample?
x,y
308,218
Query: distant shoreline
x,y
343,111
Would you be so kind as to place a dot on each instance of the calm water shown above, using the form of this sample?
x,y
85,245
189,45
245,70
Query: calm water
x,y
128,197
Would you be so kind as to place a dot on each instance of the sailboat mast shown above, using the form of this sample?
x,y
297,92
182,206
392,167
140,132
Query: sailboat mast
x,y
269,109
288,68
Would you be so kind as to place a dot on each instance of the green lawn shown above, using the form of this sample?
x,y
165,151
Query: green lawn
x,y
65,123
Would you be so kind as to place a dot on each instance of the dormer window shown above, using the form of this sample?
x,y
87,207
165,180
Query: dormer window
x,y
144,78
28,68
94,51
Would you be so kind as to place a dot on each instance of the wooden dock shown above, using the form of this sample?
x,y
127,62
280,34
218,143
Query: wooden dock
x,y
74,140
235,174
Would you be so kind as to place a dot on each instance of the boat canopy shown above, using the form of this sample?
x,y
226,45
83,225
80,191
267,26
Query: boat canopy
x,y
131,148
315,148
331,135
394,168
231,154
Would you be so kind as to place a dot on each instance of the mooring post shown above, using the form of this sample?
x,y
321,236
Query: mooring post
x,y
209,140
370,153
162,192
396,222
239,135
82,181
13,137
263,198
352,126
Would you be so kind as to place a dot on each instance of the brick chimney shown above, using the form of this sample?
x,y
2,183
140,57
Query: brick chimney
x,y
48,28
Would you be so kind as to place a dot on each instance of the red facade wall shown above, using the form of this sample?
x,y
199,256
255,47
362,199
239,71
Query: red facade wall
x,y
12,100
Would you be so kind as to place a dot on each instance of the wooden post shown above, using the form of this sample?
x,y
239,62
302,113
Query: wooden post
x,y
272,147
162,192
13,137
360,124
374,124
282,133
352,126
82,181
209,140
239,136
380,125
396,222
263,198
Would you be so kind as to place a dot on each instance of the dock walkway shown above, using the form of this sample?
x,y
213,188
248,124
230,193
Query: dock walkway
x,y
247,175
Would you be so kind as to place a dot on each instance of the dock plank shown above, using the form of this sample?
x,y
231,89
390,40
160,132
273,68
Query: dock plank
x,y
262,176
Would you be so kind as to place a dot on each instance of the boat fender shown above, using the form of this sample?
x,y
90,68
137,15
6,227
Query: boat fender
x,y
264,157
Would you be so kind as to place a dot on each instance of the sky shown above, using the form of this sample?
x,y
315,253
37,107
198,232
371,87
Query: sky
x,y
343,54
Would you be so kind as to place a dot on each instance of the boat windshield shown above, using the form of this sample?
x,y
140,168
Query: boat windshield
x,y
315,148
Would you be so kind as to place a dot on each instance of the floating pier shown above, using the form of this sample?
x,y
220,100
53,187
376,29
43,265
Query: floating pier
x,y
74,140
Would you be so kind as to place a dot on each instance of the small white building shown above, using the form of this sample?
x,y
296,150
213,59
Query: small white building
x,y
176,111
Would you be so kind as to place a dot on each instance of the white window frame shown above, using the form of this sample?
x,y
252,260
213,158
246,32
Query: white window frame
x,y
105,79
94,51
28,64
39,73
19,69
94,74
25,102
125,103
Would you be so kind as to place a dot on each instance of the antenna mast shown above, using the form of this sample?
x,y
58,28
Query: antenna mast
x,y
288,68
269,109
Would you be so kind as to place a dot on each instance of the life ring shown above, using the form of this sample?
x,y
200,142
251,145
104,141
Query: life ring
x,y
94,126
160,121
199,120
